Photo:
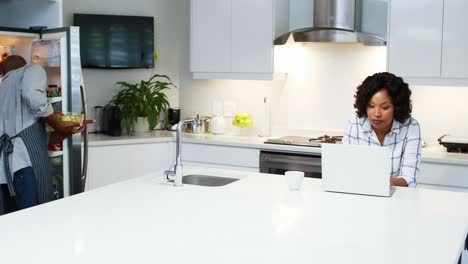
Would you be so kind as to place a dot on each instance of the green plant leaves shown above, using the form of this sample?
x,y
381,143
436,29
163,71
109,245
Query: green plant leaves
x,y
145,99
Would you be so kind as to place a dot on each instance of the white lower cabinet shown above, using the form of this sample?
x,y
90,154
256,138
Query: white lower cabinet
x,y
443,176
111,164
106,165
222,157
149,158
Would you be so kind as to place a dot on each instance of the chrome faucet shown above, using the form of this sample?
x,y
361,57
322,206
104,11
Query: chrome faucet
x,y
177,171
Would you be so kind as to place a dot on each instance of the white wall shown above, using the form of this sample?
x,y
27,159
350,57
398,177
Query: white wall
x,y
318,92
441,110
171,41
26,13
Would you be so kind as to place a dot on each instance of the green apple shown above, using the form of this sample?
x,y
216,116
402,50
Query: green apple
x,y
242,123
242,120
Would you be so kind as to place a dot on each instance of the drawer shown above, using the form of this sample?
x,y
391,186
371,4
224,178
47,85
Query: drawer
x,y
443,174
221,166
442,188
232,156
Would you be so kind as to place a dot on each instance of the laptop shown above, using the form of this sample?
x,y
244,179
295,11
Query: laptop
x,y
356,169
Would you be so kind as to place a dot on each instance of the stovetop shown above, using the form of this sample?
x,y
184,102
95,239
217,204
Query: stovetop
x,y
454,144
305,141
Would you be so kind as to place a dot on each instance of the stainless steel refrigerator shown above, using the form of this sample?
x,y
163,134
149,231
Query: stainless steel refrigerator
x,y
58,51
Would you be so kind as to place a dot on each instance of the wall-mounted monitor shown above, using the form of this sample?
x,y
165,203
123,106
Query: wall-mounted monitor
x,y
115,42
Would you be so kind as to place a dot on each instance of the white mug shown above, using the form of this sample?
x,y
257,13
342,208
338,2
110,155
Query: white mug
x,y
294,179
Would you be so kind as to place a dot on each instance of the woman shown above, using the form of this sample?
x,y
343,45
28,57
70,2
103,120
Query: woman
x,y
383,118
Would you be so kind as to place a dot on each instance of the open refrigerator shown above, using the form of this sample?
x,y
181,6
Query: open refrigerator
x,y
58,51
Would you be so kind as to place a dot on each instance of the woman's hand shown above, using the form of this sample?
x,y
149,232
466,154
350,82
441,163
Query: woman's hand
x,y
394,181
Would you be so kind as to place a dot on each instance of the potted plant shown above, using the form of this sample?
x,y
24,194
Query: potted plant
x,y
142,103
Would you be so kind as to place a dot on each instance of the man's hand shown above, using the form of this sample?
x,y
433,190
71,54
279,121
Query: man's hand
x,y
64,127
67,128
79,129
60,126
57,137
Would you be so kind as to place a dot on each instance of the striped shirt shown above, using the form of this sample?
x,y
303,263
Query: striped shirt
x,y
403,141
23,101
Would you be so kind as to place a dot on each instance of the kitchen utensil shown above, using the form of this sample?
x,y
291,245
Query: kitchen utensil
x,y
98,112
198,125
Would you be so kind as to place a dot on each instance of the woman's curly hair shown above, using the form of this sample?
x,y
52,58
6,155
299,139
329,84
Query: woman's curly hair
x,y
397,89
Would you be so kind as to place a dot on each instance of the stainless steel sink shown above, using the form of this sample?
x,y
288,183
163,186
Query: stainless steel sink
x,y
206,180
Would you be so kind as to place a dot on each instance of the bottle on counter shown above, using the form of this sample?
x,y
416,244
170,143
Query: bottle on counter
x,y
265,128
218,123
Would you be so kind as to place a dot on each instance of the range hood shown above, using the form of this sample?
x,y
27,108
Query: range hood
x,y
334,21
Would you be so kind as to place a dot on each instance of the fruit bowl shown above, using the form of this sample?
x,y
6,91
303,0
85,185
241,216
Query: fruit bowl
x,y
76,118
242,120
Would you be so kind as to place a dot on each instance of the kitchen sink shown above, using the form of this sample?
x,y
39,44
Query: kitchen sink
x,y
206,180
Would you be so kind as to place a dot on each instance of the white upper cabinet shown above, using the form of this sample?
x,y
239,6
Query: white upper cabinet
x,y
252,36
427,41
415,38
210,35
27,13
231,39
454,47
374,17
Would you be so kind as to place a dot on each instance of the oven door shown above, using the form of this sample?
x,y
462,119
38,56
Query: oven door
x,y
279,163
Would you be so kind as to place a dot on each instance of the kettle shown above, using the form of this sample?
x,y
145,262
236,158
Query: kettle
x,y
198,124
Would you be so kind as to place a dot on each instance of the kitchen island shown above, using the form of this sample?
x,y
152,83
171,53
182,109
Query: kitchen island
x,y
253,220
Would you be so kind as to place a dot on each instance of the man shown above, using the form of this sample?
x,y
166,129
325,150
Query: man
x,y
25,180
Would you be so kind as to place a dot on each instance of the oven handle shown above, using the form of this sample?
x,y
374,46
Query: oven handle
x,y
293,161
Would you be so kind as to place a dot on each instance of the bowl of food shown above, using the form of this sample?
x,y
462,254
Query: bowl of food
x,y
76,118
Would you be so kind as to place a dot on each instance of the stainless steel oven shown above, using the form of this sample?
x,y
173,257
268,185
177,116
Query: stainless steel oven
x,y
280,162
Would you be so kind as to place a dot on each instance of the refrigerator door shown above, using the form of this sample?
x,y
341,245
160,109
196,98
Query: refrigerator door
x,y
73,100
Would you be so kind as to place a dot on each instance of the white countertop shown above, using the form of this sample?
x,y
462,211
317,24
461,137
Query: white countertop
x,y
253,220
432,153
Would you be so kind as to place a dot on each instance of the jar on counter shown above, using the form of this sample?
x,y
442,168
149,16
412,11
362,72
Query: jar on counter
x,y
218,125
